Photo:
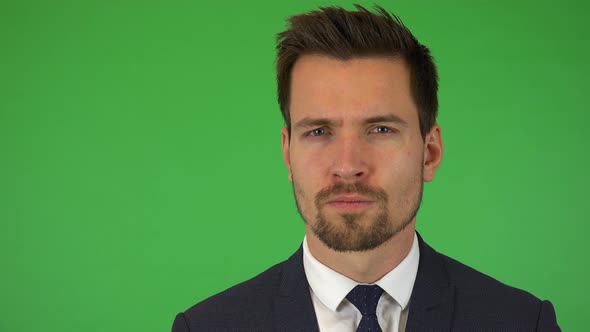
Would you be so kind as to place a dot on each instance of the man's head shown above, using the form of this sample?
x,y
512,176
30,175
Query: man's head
x,y
342,34
358,94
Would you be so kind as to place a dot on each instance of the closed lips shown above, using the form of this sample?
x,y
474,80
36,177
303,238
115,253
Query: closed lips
x,y
350,199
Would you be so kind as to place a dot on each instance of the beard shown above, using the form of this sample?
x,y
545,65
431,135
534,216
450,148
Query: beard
x,y
352,231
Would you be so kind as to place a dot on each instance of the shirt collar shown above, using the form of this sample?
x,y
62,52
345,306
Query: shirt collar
x,y
331,287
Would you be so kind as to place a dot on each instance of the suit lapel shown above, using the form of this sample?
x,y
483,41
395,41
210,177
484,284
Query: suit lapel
x,y
431,303
293,307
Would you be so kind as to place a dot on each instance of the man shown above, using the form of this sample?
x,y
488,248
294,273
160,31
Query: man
x,y
359,97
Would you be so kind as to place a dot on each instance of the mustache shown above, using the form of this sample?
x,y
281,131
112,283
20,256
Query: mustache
x,y
324,195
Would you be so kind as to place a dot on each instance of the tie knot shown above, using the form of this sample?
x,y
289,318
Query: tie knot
x,y
365,298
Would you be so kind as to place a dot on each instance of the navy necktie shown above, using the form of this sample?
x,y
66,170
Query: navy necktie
x,y
365,299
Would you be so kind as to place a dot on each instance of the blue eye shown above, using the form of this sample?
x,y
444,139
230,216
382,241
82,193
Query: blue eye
x,y
383,130
317,132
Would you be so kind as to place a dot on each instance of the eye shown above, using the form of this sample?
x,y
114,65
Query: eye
x,y
317,132
382,130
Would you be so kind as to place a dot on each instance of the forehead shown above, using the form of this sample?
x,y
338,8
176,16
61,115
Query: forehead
x,y
324,86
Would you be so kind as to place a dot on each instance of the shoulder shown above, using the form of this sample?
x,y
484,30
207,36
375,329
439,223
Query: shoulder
x,y
469,282
480,298
245,306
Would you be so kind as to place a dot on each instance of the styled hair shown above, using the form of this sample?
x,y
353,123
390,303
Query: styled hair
x,y
343,34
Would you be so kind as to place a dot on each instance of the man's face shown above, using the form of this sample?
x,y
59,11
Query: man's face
x,y
355,154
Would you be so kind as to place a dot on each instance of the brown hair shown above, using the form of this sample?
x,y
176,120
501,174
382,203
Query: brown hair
x,y
344,34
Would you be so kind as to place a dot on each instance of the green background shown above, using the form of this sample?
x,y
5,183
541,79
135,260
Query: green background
x,y
140,164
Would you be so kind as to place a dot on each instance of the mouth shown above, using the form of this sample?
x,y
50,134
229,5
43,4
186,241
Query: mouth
x,y
350,203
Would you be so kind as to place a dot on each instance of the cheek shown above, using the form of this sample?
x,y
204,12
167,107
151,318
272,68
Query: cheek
x,y
304,194
401,171
308,171
304,177
308,167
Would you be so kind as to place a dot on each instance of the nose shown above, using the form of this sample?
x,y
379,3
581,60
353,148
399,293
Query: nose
x,y
349,160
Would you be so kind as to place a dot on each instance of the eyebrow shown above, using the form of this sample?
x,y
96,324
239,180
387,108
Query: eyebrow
x,y
388,118
308,122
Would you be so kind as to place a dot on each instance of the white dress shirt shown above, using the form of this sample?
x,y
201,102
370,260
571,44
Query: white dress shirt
x,y
329,288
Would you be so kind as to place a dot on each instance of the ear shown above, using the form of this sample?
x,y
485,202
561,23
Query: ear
x,y
433,151
285,147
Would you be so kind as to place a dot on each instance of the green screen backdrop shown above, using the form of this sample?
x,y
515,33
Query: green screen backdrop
x,y
140,163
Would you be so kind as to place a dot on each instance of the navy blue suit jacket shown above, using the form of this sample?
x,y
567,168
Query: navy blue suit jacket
x,y
447,296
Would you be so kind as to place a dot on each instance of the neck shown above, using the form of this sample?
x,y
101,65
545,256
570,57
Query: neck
x,y
364,266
